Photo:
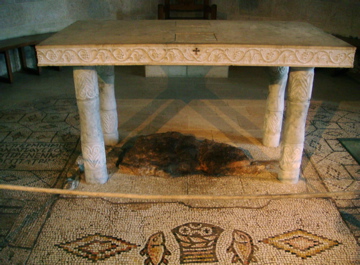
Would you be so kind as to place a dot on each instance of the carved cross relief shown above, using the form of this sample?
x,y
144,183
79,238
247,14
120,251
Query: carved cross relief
x,y
196,51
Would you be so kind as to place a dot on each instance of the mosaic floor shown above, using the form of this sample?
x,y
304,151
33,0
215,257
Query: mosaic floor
x,y
39,143
173,233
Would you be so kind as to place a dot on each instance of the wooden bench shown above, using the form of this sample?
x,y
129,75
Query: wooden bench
x,y
20,43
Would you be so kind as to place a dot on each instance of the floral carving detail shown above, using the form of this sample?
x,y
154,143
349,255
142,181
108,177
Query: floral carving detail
x,y
127,55
68,56
273,122
306,56
291,157
84,55
119,54
86,84
301,85
51,55
94,156
109,121
155,54
270,56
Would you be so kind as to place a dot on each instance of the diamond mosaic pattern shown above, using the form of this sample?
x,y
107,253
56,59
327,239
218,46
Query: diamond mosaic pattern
x,y
97,247
301,243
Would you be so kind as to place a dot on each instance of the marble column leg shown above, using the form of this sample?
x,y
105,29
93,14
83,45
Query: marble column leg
x,y
108,112
275,106
92,139
298,100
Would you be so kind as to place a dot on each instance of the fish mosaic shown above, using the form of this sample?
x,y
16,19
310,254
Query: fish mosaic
x,y
242,247
155,250
198,244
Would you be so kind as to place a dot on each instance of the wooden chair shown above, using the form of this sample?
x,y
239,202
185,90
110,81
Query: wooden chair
x,y
174,7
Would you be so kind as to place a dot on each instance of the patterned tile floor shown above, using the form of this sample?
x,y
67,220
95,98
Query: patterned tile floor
x,y
39,136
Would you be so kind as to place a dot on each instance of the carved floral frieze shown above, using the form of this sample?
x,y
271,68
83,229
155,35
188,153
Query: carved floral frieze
x,y
204,55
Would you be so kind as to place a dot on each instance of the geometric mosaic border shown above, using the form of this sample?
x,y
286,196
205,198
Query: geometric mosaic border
x,y
301,243
197,242
97,247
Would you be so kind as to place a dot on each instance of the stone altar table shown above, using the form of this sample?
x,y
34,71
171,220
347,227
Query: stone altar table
x,y
94,47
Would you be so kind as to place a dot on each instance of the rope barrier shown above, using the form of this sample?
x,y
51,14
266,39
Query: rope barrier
x,y
179,197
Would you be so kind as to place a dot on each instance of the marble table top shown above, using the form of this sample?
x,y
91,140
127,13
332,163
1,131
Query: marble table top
x,y
194,42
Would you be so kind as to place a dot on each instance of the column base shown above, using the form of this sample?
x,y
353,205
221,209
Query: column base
x,y
96,176
111,139
271,140
289,176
